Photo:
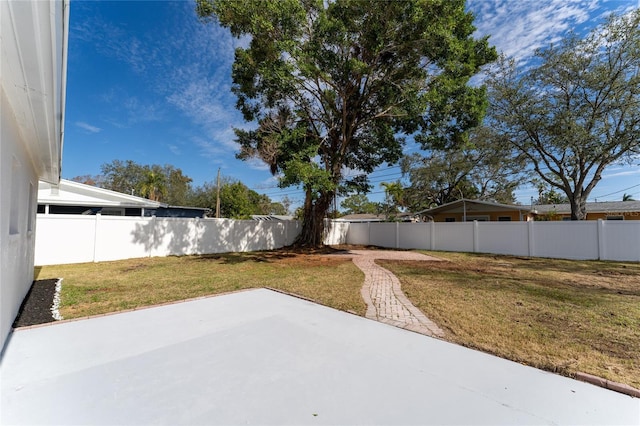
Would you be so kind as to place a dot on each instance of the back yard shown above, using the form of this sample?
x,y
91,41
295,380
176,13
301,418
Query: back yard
x,y
562,316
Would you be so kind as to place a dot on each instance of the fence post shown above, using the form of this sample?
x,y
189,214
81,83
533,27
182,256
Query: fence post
x,y
530,238
368,233
397,235
95,236
601,243
432,236
152,238
475,236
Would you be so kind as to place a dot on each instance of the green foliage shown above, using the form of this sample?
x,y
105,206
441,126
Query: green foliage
x,y
394,197
237,201
548,194
484,168
336,85
576,113
358,203
165,183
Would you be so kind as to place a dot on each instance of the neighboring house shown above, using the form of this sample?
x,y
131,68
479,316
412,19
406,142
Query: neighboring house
x,y
471,210
362,217
33,52
70,197
369,217
609,210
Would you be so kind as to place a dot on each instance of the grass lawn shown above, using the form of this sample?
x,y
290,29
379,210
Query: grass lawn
x,y
97,288
562,316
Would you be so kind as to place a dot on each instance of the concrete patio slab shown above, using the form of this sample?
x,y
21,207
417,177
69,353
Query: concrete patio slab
x,y
261,357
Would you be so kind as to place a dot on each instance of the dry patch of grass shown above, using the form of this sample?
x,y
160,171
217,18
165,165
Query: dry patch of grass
x,y
562,316
97,288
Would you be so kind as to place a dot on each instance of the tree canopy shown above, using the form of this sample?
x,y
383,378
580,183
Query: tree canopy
x,y
237,201
484,168
577,112
335,86
166,183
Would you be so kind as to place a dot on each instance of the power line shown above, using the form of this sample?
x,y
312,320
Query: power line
x,y
617,192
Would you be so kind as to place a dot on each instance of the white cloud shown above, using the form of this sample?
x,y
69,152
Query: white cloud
x,y
629,172
518,28
88,127
174,149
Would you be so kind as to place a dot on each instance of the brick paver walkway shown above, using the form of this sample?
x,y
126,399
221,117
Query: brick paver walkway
x,y
383,295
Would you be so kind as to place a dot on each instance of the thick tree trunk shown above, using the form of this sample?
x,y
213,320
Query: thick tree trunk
x,y
312,233
578,207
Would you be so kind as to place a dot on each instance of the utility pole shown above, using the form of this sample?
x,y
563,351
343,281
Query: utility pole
x,y
218,196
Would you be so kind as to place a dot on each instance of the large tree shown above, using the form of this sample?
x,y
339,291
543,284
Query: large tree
x,y
578,111
334,85
484,168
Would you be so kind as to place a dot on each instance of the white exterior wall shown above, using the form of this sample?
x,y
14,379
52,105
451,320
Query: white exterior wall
x,y
18,188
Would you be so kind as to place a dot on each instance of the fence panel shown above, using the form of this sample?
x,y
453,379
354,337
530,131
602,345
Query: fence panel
x,y
121,237
454,237
336,232
503,238
621,240
566,240
358,234
64,239
414,236
383,234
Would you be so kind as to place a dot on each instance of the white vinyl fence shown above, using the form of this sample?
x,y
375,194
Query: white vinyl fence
x,y
75,239
605,240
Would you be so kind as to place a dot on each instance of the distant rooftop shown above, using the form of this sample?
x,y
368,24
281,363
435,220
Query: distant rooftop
x,y
597,207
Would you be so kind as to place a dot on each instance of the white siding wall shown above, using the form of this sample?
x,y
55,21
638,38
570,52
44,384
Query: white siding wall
x,y
17,202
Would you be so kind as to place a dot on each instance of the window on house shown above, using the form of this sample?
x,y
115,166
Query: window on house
x,y
478,218
504,218
111,211
449,219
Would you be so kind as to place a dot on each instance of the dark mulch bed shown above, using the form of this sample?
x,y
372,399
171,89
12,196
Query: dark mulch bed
x,y
36,307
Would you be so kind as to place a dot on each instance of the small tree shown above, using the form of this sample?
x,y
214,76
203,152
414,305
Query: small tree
x,y
578,112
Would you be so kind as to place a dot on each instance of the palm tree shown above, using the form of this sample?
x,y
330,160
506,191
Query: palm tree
x,y
627,197
154,185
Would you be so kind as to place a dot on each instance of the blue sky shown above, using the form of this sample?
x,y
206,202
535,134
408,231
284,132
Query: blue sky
x,y
148,82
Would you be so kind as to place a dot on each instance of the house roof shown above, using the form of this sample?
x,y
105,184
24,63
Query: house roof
x,y
363,217
599,207
472,206
34,38
68,193
272,217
